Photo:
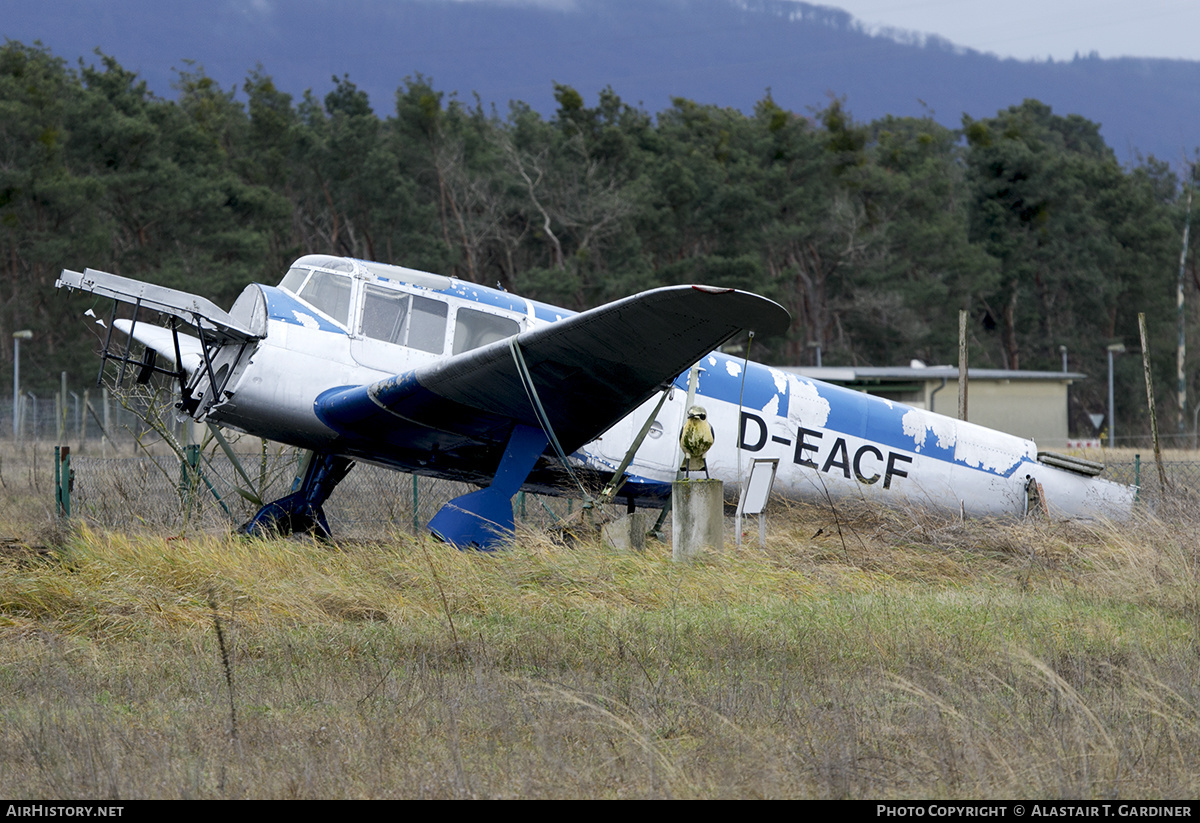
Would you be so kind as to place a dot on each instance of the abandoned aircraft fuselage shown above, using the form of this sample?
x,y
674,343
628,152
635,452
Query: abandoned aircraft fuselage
x,y
428,374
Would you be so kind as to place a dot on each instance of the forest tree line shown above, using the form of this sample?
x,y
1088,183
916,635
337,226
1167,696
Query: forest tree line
x,y
873,235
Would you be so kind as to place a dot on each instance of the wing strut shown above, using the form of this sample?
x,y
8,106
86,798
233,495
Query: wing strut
x,y
112,318
128,341
543,419
483,518
618,478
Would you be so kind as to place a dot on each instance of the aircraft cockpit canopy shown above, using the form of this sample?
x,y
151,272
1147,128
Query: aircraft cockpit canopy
x,y
325,283
380,308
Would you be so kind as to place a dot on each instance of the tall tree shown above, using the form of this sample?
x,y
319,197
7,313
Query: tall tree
x,y
49,216
912,188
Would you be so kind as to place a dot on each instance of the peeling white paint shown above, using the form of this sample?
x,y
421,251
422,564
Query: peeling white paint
x,y
805,404
974,446
780,380
772,407
712,361
733,367
918,424
306,320
992,451
914,427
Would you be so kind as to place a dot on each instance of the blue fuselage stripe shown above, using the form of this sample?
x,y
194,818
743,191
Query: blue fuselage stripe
x,y
851,413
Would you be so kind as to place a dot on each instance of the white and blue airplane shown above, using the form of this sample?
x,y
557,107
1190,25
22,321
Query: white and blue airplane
x,y
355,360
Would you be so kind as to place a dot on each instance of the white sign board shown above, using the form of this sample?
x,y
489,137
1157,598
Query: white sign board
x,y
758,489
755,495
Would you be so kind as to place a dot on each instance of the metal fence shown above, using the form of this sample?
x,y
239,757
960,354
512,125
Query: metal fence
x,y
98,412
162,492
129,473
156,491
95,414
1182,476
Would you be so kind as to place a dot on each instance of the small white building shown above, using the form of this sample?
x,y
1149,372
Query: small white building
x,y
1031,404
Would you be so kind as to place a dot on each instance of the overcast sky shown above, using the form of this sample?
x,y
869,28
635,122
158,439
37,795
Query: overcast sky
x,y
1037,29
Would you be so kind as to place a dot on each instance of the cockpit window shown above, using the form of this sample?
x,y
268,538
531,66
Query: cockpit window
x,y
293,280
330,293
475,328
323,261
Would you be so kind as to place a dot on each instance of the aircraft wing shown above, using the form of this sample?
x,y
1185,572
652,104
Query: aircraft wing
x,y
589,370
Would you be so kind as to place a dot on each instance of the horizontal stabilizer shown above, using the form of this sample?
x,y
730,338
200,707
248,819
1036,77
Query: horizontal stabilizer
x,y
1088,468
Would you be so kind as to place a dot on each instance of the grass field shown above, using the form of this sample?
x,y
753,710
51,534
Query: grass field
x,y
872,654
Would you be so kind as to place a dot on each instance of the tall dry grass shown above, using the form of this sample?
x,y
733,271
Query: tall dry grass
x,y
872,654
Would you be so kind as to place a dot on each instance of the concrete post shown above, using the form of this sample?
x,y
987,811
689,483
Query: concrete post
x,y
698,512
626,533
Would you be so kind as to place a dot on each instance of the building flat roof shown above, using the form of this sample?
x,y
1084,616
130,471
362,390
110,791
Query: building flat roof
x,y
896,374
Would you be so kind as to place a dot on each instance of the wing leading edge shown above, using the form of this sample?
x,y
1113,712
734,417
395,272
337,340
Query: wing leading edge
x,y
588,370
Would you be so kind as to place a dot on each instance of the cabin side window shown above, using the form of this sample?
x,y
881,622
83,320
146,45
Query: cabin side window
x,y
404,320
427,326
385,314
473,329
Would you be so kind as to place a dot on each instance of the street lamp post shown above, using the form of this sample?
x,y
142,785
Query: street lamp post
x,y
1113,348
814,344
1066,387
18,336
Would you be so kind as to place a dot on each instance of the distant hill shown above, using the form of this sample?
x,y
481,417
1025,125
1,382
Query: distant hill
x,y
726,52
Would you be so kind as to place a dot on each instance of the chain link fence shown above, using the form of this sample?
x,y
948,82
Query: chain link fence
x,y
1182,476
158,492
94,415
131,470
120,415
162,492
